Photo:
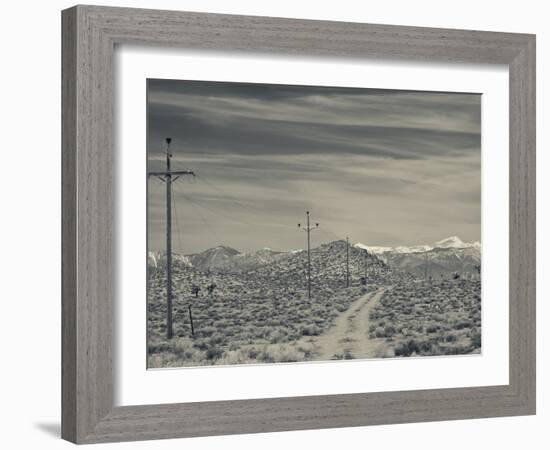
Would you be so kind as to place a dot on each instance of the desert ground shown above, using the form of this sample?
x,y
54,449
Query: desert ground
x,y
261,313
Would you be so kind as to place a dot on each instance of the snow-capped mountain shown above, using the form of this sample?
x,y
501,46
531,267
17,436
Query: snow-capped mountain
x,y
456,242
441,258
450,242
400,249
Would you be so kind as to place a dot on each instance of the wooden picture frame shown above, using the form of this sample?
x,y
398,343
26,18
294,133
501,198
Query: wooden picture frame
x,y
90,34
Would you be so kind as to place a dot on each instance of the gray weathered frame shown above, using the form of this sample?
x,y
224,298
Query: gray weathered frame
x,y
89,36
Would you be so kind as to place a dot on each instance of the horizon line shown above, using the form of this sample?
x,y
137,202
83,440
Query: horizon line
x,y
356,245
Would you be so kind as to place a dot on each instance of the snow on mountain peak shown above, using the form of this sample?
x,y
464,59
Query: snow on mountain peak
x,y
450,242
373,249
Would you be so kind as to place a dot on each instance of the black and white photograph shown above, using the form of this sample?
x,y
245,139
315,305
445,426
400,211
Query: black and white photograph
x,y
275,225
290,223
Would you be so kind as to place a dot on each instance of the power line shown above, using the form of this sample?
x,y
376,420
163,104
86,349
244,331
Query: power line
x,y
229,197
221,212
197,208
178,232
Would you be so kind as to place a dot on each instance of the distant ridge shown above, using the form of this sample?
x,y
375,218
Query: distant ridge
x,y
447,256
450,242
220,257
228,259
444,257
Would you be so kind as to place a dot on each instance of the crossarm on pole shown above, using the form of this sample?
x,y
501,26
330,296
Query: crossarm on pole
x,y
172,173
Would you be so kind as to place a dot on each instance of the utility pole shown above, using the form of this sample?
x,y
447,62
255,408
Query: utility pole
x,y
169,176
426,266
191,320
366,265
347,261
308,229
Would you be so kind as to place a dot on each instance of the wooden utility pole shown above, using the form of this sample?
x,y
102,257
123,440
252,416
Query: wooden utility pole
x,y
308,229
347,261
366,265
169,176
191,321
426,266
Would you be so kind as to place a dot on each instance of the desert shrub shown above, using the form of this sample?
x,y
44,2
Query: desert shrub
x,y
475,337
414,346
201,344
384,352
217,338
425,347
207,331
181,353
310,330
455,350
280,353
450,338
432,328
463,324
235,357
379,332
277,335
230,331
438,317
306,349
406,348
182,345
214,352
348,355
160,360
318,319
157,346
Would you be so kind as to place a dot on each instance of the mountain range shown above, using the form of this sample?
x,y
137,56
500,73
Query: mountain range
x,y
447,256
442,258
220,258
450,242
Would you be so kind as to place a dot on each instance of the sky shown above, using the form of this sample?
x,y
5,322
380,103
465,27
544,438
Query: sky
x,y
384,167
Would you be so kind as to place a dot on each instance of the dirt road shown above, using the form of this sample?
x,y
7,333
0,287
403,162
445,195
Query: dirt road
x,y
349,336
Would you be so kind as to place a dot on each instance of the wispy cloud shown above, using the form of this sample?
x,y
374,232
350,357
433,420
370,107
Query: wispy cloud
x,y
384,167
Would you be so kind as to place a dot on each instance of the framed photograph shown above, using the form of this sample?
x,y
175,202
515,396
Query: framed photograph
x,y
268,222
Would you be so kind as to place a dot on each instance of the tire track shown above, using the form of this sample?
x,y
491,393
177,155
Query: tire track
x,y
348,338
